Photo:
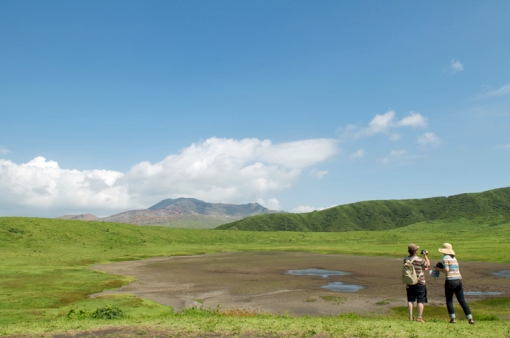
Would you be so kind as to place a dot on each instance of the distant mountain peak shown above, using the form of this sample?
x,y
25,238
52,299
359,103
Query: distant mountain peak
x,y
82,217
183,208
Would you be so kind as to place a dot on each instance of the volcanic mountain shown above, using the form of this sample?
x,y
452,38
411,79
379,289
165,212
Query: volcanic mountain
x,y
189,213
82,217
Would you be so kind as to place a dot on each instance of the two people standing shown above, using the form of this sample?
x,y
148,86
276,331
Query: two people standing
x,y
453,282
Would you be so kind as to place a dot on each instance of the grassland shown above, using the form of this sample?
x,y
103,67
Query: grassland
x,y
44,275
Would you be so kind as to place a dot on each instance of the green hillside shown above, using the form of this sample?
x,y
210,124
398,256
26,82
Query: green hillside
x,y
489,207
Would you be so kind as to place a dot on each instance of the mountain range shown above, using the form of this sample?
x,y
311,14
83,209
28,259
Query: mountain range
x,y
82,217
183,213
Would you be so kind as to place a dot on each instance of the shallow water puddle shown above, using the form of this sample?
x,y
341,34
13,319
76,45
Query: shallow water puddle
x,y
341,287
502,273
334,286
317,272
480,293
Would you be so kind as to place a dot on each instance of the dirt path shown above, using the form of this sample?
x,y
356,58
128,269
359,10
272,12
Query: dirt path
x,y
258,281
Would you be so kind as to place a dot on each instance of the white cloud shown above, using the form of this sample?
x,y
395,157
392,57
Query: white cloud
x,y
413,120
456,66
302,209
272,203
307,208
506,146
505,90
360,153
318,173
42,184
215,170
380,123
227,170
429,139
298,154
4,151
384,123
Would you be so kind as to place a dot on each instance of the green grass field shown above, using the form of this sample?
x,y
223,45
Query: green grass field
x,y
44,275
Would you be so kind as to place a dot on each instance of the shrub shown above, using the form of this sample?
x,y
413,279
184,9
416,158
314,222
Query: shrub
x,y
16,231
107,312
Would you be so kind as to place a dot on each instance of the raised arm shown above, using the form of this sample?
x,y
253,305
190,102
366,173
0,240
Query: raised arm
x,y
426,256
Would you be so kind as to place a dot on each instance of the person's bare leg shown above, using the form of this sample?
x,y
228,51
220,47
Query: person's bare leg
x,y
410,309
420,307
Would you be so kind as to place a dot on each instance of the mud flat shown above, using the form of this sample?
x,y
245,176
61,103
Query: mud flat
x,y
260,281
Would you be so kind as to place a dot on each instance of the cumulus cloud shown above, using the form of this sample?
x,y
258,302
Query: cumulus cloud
x,y
429,139
272,203
4,151
302,209
215,170
413,120
306,208
455,66
43,184
505,90
227,169
360,153
380,123
385,123
318,173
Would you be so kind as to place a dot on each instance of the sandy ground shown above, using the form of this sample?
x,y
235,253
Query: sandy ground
x,y
258,281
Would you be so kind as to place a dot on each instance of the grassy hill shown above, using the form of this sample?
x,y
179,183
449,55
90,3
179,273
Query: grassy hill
x,y
489,207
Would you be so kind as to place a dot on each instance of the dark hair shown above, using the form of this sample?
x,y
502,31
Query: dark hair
x,y
411,251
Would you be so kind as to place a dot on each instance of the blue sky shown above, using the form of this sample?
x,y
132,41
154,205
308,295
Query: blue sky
x,y
107,106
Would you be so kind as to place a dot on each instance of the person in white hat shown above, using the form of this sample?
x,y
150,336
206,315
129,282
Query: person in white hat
x,y
453,283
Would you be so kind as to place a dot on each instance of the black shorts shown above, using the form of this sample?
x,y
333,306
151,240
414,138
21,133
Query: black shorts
x,y
417,293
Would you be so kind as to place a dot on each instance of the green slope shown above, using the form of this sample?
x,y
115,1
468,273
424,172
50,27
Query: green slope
x,y
489,207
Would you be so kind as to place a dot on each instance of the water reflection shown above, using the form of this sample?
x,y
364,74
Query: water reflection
x,y
480,293
341,287
317,272
502,273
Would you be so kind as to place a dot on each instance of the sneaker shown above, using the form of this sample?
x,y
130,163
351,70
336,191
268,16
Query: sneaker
x,y
419,319
453,321
471,321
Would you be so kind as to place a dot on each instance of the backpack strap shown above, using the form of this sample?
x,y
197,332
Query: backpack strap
x,y
412,259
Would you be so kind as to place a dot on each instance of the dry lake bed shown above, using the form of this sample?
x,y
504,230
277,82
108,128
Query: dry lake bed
x,y
289,282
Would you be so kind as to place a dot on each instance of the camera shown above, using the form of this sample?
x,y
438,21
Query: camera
x,y
423,252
